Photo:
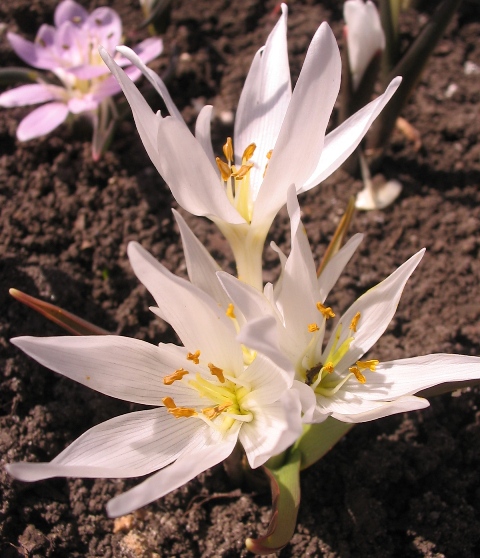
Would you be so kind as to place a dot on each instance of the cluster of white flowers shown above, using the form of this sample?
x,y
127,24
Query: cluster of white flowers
x,y
253,367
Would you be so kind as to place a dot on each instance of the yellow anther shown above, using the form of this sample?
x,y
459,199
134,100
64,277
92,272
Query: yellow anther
x,y
194,357
242,171
313,327
269,154
329,367
356,372
230,312
326,311
177,375
218,372
354,322
228,150
213,412
177,412
224,169
249,151
367,364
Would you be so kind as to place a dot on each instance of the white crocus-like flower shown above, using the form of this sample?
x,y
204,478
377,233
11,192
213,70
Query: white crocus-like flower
x,y
274,128
336,381
206,395
365,36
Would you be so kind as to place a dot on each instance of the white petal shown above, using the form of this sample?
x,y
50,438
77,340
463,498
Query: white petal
x,y
411,375
121,367
302,135
377,307
189,174
146,120
264,101
365,36
42,121
268,383
203,134
342,142
197,318
348,408
201,267
126,446
336,265
194,462
274,428
155,80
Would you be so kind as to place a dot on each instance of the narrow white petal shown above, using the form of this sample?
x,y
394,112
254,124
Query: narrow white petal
x,y
410,375
201,267
264,101
189,174
342,142
274,428
377,307
302,135
146,120
336,265
194,315
203,134
191,464
154,79
268,383
121,367
126,446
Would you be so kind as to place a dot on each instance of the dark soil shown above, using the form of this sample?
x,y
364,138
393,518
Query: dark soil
x,y
405,486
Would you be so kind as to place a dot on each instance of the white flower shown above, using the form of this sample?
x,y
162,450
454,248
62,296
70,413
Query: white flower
x,y
365,36
293,327
206,396
240,194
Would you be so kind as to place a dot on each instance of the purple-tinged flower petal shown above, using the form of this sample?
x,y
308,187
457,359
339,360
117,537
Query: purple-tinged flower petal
x,y
34,54
68,10
149,49
70,45
31,94
42,120
106,26
83,104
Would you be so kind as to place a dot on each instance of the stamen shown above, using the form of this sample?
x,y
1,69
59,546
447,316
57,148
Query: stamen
x,y
242,171
178,412
329,367
354,322
218,372
367,364
230,312
356,372
224,169
269,154
228,150
249,151
177,375
213,412
326,311
194,357
313,327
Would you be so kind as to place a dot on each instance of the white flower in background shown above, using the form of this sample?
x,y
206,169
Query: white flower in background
x,y
206,396
274,127
70,51
365,36
291,320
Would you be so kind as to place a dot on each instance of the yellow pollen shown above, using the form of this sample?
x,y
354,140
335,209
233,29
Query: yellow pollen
x,y
313,327
228,150
269,154
194,357
354,322
177,375
224,169
326,311
367,364
242,171
328,367
178,412
213,412
218,372
356,372
249,151
230,312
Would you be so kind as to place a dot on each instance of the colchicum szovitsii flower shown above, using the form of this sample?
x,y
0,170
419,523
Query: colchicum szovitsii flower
x,y
206,395
291,320
279,140
70,51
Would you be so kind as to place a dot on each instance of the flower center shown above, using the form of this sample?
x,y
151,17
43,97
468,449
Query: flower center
x,y
223,394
